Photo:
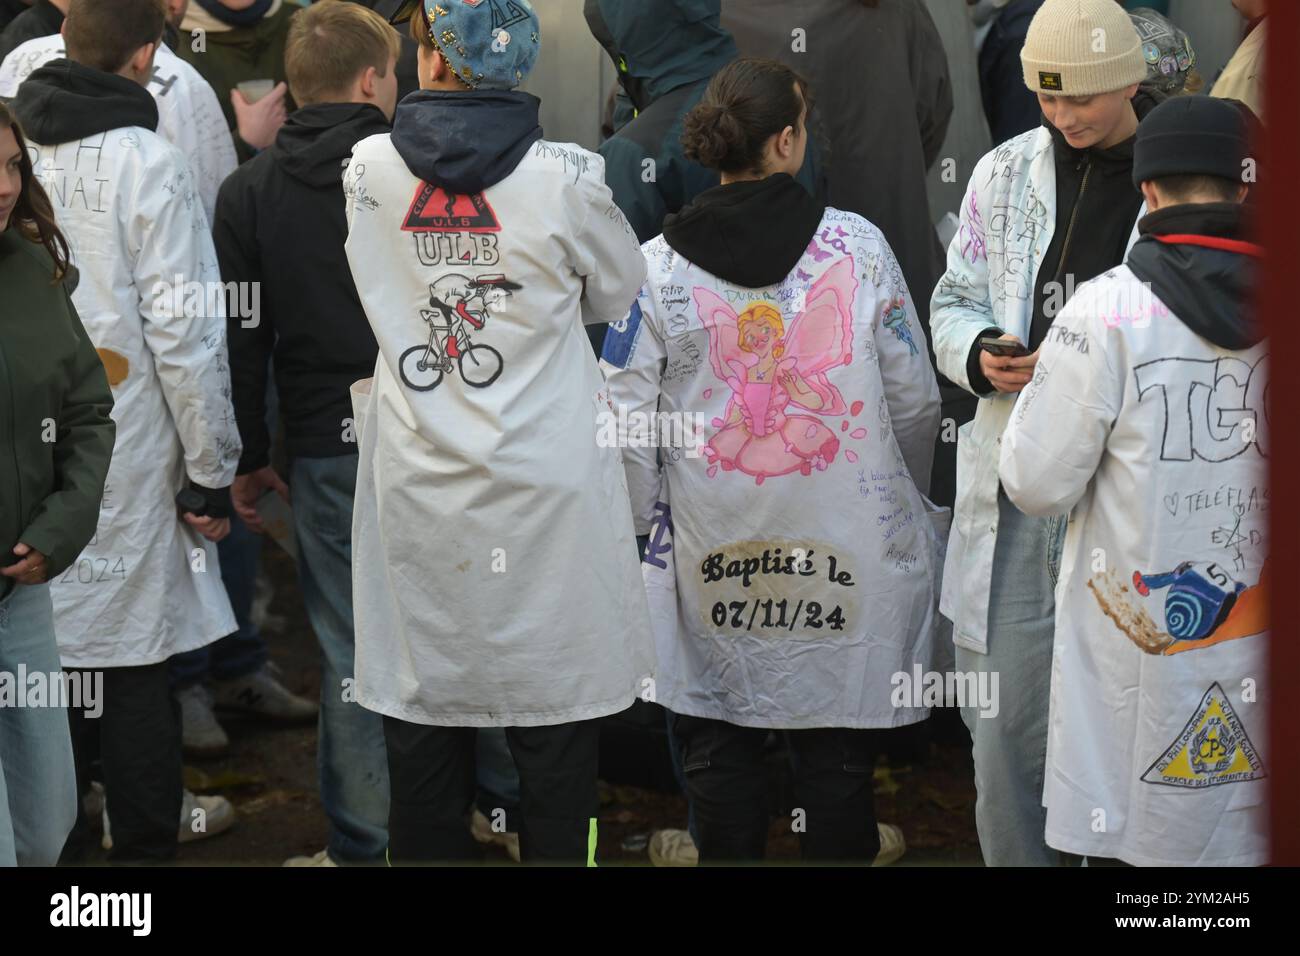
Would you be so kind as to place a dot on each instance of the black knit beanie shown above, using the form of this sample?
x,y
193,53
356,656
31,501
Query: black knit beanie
x,y
1192,136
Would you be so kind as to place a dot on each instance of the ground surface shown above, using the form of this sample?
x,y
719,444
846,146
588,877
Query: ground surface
x,y
270,776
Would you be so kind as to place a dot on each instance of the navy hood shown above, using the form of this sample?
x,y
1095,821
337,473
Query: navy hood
x,y
465,142
1210,288
316,140
660,45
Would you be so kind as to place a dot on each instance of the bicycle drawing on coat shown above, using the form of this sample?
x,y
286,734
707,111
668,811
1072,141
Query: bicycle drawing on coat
x,y
459,307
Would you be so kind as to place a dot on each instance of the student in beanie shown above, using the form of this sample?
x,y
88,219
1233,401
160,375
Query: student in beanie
x,y
1044,211
1152,649
479,250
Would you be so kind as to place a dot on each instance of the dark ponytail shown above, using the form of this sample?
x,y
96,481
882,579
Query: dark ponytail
x,y
33,215
748,101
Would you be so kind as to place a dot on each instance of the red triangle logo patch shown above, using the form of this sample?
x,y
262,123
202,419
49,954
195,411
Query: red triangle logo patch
x,y
435,210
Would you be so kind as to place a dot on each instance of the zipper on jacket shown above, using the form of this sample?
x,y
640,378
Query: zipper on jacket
x,y
1074,214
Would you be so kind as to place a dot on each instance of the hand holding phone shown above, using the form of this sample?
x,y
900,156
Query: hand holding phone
x,y
1006,363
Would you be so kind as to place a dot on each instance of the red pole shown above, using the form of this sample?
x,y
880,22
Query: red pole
x,y
1281,206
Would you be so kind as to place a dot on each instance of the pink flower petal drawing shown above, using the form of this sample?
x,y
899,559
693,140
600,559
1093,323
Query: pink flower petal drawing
x,y
708,393
712,470
844,426
717,423
855,409
851,455
811,432
858,433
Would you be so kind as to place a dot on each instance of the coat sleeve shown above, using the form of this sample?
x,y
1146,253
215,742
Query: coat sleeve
x,y
961,308
1062,419
234,233
633,361
197,126
603,250
641,201
83,447
168,239
911,390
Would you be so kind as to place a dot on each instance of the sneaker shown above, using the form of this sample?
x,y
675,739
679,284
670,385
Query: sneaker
x,y
201,735
892,844
480,829
318,859
218,816
92,804
262,694
673,848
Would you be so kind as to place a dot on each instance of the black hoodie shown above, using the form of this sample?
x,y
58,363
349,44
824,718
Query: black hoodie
x,y
41,19
750,233
1211,287
63,101
280,221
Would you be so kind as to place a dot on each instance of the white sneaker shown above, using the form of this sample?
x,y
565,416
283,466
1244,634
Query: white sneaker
x,y
892,844
201,735
673,848
317,859
260,693
201,817
480,828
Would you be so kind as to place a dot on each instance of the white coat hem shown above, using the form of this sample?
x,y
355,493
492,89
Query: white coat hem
x,y
418,715
1098,848
903,717
71,660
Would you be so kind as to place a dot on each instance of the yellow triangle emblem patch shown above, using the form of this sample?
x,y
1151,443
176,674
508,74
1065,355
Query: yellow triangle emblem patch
x,y
1212,749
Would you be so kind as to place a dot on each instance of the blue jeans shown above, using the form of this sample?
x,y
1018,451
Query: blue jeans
x,y
351,755
244,652
38,779
1010,750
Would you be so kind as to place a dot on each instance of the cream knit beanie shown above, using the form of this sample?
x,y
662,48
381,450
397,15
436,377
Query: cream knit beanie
x,y
1080,48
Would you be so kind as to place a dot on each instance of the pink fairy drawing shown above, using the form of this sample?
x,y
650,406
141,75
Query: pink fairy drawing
x,y
770,368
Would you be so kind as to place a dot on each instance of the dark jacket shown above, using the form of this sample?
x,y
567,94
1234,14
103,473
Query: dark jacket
x,y
666,51
42,19
1010,106
280,222
243,53
51,482
880,79
1209,281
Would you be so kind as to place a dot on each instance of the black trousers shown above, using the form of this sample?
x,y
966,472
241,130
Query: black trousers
x,y
432,781
137,740
834,813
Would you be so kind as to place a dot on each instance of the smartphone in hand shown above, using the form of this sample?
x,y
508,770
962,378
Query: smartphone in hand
x,y
1003,348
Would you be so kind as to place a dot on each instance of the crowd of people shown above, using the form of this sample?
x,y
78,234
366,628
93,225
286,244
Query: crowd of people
x,y
256,253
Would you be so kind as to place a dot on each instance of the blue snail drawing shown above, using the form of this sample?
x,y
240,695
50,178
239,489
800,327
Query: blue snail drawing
x,y
896,322
1200,597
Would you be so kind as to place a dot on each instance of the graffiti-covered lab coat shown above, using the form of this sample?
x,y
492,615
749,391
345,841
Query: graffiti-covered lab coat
x,y
1156,439
495,578
147,586
792,565
1008,218
189,116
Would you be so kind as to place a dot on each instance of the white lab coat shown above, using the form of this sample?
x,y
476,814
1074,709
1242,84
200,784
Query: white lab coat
x,y
147,586
1154,440
1007,221
810,481
189,115
495,574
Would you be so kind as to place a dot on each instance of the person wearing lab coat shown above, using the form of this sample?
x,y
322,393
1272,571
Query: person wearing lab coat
x,y
1043,212
1148,422
148,584
495,576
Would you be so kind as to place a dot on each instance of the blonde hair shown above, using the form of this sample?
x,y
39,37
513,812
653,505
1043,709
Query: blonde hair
x,y
330,44
761,312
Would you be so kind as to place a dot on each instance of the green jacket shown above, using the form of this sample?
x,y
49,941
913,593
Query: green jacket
x,y
229,57
56,436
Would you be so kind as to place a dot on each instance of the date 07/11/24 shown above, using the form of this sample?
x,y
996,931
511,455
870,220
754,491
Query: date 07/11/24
x,y
774,615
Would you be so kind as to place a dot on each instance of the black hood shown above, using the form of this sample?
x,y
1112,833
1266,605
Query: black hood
x,y
751,233
63,101
1210,290
314,143
465,142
